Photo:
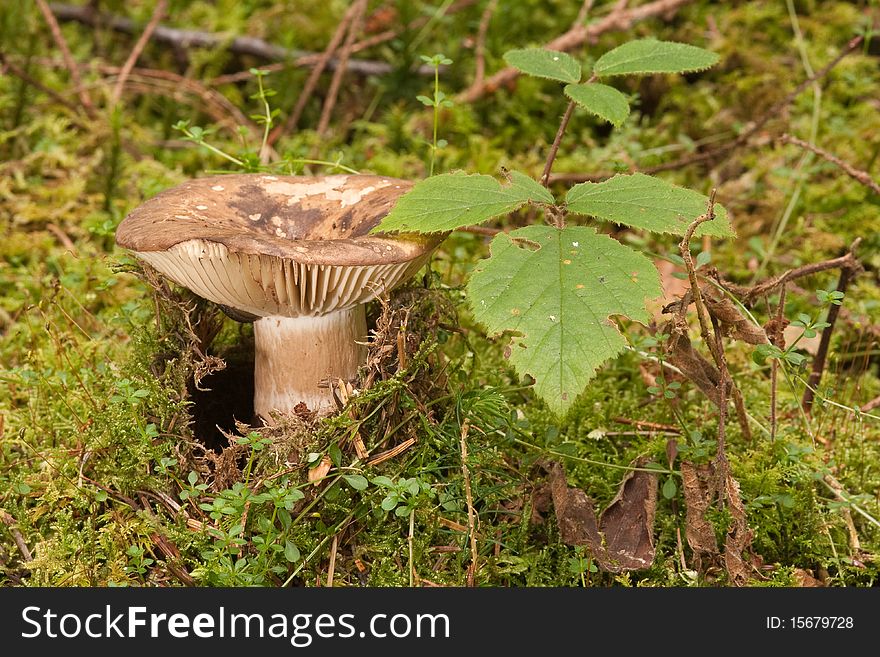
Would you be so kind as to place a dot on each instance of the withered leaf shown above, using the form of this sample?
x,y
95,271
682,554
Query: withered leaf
x,y
699,532
623,538
628,522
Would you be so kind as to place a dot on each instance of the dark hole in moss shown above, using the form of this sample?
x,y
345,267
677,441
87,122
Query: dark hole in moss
x,y
227,396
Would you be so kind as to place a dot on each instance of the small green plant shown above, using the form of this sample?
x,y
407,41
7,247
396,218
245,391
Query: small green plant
x,y
439,100
255,160
556,287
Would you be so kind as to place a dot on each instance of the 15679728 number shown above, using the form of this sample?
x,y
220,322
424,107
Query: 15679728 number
x,y
810,623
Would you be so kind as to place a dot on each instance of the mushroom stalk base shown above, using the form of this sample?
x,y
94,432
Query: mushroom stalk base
x,y
294,354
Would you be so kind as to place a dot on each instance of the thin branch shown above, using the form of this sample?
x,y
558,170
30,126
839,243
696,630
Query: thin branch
x,y
480,46
846,275
9,521
242,45
719,151
22,74
314,76
856,174
354,27
69,62
158,14
774,364
577,36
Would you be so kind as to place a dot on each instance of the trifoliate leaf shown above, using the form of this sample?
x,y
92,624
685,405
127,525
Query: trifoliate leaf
x,y
646,56
557,290
599,99
452,200
646,202
551,64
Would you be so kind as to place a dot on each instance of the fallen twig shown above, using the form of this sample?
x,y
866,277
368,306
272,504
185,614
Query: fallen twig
x,y
125,71
242,45
480,45
856,174
23,75
69,62
314,76
740,140
354,26
9,521
846,275
576,37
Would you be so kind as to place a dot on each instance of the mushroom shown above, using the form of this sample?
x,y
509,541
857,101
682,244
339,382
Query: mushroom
x,y
293,255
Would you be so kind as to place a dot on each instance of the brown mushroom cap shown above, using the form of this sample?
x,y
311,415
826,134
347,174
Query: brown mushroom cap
x,y
277,245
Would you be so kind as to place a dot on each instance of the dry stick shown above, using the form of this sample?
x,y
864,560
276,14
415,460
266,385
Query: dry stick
x,y
68,58
314,76
9,521
748,294
158,13
774,366
583,12
354,27
871,405
363,44
480,47
331,569
576,37
242,45
743,137
846,275
856,174
472,531
22,74
715,348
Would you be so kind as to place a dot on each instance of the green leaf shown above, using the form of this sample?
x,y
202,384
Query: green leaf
x,y
291,552
599,99
645,202
551,64
452,200
669,488
646,56
357,482
557,289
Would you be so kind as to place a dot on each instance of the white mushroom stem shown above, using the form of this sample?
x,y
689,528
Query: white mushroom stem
x,y
294,354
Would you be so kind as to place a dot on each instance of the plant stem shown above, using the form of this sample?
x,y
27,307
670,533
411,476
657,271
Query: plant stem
x,y
554,149
436,115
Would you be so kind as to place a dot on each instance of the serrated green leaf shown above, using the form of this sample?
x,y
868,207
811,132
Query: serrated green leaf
x,y
452,200
600,99
541,63
646,56
556,289
646,202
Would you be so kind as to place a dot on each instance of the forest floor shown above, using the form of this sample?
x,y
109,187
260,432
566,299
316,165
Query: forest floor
x,y
125,454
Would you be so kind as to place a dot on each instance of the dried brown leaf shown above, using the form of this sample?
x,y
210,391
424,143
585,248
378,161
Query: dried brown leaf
x,y
699,532
628,522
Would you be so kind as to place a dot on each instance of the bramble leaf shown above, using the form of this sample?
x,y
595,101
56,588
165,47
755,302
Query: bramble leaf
x,y
646,202
452,200
646,56
557,290
551,64
599,99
